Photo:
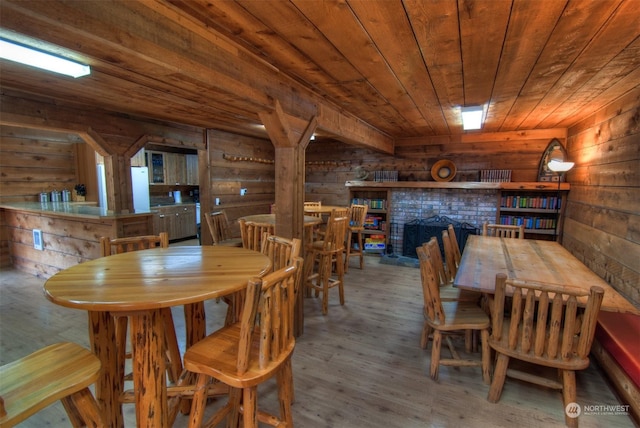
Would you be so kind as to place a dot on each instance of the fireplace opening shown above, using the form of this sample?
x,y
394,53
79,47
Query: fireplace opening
x,y
419,231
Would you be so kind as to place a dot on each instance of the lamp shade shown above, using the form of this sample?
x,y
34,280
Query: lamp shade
x,y
558,166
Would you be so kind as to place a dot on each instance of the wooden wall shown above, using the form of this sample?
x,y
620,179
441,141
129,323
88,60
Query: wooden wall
x,y
33,161
602,225
237,162
330,164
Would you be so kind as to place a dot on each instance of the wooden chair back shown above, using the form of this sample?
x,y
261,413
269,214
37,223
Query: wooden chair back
x,y
433,309
457,254
218,224
334,236
63,371
313,204
451,269
281,251
110,246
358,215
546,326
251,233
433,250
268,314
503,230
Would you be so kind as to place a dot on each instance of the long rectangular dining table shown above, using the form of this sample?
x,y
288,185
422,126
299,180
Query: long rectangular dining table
x,y
547,261
140,284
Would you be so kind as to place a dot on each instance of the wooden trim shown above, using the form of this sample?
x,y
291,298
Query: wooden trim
x,y
623,385
458,185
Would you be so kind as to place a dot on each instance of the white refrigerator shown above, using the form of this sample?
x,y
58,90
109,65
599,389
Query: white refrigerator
x,y
140,188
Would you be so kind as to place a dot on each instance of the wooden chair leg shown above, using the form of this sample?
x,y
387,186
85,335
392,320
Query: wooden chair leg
x,y
486,357
285,393
424,337
348,252
249,407
340,273
435,354
198,401
83,409
499,375
361,248
569,395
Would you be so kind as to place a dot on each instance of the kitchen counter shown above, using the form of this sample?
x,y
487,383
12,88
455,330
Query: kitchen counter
x,y
69,232
76,209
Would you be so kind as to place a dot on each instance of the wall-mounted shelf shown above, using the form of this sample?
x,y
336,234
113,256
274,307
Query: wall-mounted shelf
x,y
533,185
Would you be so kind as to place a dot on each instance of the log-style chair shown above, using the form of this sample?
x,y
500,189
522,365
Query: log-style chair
x,y
546,328
503,230
252,232
446,318
282,252
111,246
448,293
355,227
321,256
62,371
313,204
247,353
218,224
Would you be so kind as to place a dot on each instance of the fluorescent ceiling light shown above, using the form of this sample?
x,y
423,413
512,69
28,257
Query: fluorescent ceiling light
x,y
472,117
558,166
35,58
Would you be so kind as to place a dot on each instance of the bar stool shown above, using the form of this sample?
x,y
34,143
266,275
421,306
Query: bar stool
x,y
324,254
355,227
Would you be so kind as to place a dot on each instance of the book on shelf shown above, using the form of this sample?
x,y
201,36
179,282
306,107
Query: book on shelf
x,y
537,202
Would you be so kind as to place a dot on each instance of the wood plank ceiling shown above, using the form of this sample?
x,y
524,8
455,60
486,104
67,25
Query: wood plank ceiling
x,y
402,67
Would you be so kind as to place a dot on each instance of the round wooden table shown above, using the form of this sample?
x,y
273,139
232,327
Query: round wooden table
x,y
140,284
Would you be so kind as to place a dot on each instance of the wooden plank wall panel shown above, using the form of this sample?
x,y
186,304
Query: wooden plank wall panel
x,y
31,165
329,164
236,162
602,225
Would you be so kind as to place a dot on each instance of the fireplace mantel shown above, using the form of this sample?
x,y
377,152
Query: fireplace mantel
x,y
533,185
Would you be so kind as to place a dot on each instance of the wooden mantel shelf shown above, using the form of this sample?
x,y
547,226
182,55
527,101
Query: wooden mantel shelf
x,y
534,185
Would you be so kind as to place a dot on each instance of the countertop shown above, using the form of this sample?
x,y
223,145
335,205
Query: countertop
x,y
75,209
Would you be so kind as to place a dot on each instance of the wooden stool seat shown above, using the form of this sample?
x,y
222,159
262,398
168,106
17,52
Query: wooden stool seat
x,y
63,371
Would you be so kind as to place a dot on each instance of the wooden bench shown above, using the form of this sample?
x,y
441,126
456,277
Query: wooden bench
x,y
617,348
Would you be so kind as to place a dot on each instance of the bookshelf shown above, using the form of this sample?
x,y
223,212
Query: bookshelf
x,y
376,230
541,212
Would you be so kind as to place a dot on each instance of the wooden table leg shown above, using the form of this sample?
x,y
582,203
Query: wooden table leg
x,y
149,369
102,335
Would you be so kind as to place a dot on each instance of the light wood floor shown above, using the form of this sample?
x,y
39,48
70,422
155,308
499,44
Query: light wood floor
x,y
359,366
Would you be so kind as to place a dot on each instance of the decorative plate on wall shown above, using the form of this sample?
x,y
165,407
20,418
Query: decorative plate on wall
x,y
443,170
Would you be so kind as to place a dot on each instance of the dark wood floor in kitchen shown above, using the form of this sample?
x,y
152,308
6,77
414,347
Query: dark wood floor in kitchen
x,y
359,366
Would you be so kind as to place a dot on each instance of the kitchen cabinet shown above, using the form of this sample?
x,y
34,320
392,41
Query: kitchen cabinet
x,y
172,168
176,169
192,170
179,221
157,167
